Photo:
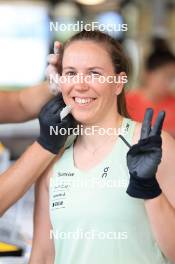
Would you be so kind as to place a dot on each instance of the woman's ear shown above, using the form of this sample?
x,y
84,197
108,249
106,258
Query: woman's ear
x,y
121,80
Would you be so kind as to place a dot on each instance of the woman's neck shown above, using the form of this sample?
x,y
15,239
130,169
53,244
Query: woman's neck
x,y
94,140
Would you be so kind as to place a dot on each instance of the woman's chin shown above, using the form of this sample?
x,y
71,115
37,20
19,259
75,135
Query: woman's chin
x,y
84,120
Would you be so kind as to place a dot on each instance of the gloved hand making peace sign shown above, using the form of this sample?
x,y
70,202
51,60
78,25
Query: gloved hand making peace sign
x,y
144,157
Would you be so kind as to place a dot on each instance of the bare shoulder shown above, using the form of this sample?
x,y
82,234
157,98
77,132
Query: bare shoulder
x,y
168,142
166,169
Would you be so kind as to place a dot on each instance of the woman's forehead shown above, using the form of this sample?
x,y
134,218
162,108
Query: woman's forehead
x,y
83,53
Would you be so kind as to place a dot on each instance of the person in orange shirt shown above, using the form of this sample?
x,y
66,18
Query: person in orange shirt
x,y
156,90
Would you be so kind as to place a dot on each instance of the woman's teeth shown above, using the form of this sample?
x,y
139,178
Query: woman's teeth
x,y
83,100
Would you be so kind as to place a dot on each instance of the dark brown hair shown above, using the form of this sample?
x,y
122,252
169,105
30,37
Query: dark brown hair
x,y
117,56
160,56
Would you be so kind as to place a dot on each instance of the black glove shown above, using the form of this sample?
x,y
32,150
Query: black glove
x,y
144,157
50,116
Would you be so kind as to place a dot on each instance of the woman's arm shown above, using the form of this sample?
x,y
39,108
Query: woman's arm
x,y
23,105
161,210
42,247
162,219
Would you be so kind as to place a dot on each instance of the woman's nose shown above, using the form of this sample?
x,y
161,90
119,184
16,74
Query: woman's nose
x,y
80,83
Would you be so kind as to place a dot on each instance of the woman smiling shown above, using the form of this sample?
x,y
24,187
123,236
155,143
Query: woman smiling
x,y
113,226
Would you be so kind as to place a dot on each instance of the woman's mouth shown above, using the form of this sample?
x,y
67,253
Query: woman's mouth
x,y
83,100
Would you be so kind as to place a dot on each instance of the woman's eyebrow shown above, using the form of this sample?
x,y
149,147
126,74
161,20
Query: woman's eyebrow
x,y
68,67
95,67
89,68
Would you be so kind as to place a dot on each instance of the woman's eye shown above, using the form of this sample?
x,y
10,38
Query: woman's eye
x,y
70,73
95,73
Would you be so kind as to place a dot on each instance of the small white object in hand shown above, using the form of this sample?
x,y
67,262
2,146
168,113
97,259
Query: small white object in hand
x,y
53,77
65,111
56,50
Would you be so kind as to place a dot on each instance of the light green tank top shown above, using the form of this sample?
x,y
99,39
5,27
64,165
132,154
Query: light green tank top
x,y
94,220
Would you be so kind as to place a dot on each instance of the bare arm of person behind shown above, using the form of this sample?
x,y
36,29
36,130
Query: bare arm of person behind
x,y
17,179
23,105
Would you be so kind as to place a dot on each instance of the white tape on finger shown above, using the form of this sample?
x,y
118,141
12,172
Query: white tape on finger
x,y
65,111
